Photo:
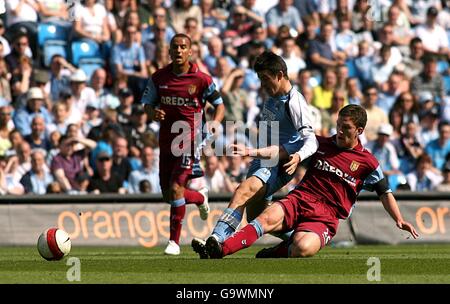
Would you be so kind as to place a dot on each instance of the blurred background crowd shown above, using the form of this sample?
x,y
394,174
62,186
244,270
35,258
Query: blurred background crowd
x,y
72,74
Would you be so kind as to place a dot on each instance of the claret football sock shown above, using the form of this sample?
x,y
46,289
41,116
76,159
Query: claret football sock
x,y
193,197
242,239
177,213
227,224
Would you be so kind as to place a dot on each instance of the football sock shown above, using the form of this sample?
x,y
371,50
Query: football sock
x,y
227,224
193,197
243,238
177,212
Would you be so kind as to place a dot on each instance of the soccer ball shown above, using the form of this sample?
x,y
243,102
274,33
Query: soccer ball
x,y
54,244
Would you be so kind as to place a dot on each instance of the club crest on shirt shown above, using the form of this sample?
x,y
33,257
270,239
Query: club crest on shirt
x,y
191,89
354,166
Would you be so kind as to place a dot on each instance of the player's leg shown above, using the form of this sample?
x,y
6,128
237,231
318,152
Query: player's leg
x,y
177,212
200,197
305,244
272,219
252,187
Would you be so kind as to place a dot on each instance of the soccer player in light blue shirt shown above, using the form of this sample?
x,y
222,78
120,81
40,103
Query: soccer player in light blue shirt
x,y
274,165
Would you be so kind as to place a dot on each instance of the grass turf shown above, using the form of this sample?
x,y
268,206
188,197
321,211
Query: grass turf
x,y
123,265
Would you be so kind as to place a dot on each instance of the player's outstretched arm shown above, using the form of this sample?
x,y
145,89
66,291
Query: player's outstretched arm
x,y
391,206
270,152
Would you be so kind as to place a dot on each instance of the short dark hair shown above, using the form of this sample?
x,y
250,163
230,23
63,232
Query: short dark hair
x,y
272,63
181,35
356,113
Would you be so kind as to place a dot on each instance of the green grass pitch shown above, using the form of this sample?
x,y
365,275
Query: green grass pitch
x,y
123,265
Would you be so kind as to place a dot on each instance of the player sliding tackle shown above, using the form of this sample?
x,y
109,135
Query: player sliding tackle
x,y
175,96
287,108
338,171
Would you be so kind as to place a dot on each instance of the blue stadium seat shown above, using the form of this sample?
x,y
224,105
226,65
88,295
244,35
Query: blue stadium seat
x,y
52,48
447,84
87,49
49,31
442,66
352,72
90,65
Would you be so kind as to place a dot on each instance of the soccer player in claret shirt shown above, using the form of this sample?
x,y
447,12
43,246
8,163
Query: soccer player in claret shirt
x,y
338,171
290,140
178,93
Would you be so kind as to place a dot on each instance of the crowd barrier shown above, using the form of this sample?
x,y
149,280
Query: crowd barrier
x,y
143,220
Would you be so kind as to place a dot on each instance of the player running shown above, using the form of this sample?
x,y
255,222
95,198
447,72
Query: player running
x,y
339,170
297,141
178,93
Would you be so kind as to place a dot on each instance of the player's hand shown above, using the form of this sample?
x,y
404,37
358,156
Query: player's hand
x,y
240,150
159,115
408,227
291,166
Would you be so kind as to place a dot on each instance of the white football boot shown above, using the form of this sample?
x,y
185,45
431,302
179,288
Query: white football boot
x,y
172,248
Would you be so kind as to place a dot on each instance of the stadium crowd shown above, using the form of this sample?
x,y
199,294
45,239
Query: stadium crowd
x,y
72,75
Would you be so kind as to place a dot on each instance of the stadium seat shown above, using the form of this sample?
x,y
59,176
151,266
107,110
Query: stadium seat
x,y
447,84
52,48
352,72
85,49
49,31
90,65
442,66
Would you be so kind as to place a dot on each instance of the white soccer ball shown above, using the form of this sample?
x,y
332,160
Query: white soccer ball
x,y
54,244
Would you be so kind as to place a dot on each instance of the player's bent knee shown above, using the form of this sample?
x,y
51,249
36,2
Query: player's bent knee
x,y
305,245
176,191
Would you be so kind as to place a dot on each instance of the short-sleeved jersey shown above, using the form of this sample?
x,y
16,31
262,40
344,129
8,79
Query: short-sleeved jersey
x,y
295,132
337,175
181,97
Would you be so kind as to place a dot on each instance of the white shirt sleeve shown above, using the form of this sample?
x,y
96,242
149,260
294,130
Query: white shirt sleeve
x,y
302,119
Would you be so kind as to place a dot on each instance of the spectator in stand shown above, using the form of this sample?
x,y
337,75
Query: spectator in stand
x,y
445,185
9,184
215,47
214,21
20,49
382,69
5,87
37,180
68,164
429,80
234,97
424,177
363,63
401,28
413,64
81,95
148,171
120,161
385,152
291,54
408,147
439,148
24,116
215,179
105,98
283,13
323,93
54,11
37,138
191,29
329,116
22,16
5,128
345,39
180,11
354,94
60,71
386,98
320,54
90,22
4,43
407,105
92,118
125,108
105,179
375,115
160,22
386,37
434,37
60,121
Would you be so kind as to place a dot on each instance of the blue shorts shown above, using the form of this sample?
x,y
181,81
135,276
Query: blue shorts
x,y
274,177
